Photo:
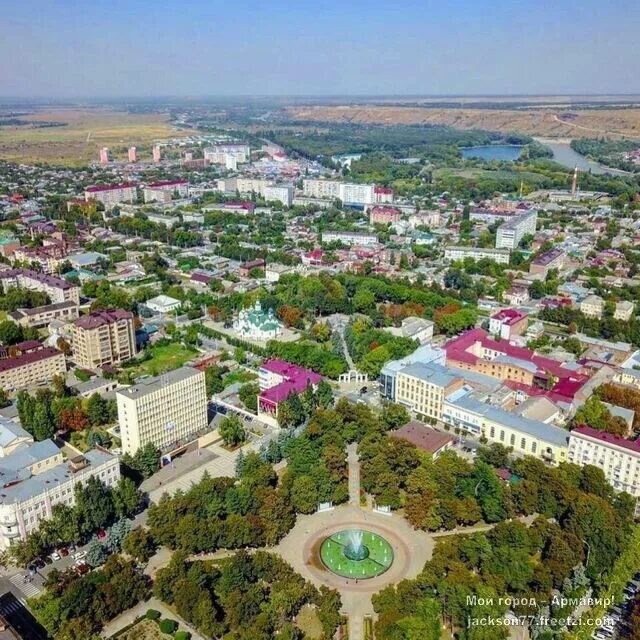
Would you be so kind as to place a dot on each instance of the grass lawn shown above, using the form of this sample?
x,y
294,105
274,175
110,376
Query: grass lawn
x,y
145,630
238,376
165,358
308,622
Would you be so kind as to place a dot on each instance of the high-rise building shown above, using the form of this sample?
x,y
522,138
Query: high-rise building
x,y
133,155
103,338
157,155
57,289
104,155
167,411
510,233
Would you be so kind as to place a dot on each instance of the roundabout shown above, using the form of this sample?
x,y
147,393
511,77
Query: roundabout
x,y
356,553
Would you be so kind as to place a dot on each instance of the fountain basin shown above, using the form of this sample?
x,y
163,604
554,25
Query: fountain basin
x,y
356,553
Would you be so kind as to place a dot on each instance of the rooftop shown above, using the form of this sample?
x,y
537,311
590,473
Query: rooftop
x,y
423,437
151,385
50,281
28,358
618,441
110,187
101,318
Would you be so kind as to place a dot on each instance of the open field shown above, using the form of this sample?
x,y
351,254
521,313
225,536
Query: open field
x,y
553,123
86,130
165,358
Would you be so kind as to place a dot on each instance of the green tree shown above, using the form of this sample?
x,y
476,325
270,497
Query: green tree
x,y
248,394
97,410
232,431
140,544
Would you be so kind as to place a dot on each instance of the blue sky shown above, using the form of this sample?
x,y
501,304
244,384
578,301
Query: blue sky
x,y
91,48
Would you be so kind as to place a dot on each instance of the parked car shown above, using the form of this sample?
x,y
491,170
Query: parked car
x,y
64,552
55,556
79,555
48,560
102,534
83,568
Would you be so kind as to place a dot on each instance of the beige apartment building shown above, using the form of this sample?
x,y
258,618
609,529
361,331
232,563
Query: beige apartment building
x,y
42,316
57,289
103,338
32,368
167,411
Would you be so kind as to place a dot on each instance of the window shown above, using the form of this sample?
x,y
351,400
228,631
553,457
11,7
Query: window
x,y
512,440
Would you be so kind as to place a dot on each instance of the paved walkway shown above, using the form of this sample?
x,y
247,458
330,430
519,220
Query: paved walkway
x,y
354,474
216,461
129,617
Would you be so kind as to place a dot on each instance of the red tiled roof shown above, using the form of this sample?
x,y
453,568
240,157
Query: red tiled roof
x,y
422,436
109,187
631,445
100,318
28,358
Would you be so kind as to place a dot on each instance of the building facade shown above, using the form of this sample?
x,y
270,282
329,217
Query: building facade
x,y
57,289
454,253
103,338
112,194
31,369
167,411
39,317
510,233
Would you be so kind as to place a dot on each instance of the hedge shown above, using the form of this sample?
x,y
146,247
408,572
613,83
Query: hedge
x,y
153,614
182,635
168,626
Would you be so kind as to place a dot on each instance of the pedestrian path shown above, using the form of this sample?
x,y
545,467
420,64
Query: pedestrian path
x,y
28,588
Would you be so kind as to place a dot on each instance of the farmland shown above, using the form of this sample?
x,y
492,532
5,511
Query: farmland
x,y
85,130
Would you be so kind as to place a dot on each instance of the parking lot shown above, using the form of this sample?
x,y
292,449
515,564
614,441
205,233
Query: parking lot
x,y
616,619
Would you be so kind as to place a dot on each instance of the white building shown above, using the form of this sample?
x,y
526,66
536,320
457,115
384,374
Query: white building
x,y
37,477
167,411
164,191
592,306
350,238
510,233
220,153
351,193
318,188
256,324
163,304
415,328
624,310
279,193
618,458
455,253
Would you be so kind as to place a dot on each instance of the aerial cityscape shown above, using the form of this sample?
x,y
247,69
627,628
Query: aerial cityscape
x,y
317,325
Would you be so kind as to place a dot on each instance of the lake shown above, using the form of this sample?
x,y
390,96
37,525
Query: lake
x,y
508,152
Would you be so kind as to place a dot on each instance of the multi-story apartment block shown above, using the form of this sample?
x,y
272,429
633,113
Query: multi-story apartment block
x,y
219,153
37,477
32,368
552,259
359,194
592,306
383,215
624,310
57,289
243,185
164,191
279,193
618,458
167,411
111,194
383,195
508,323
42,316
132,154
510,233
454,253
103,338
156,153
318,188
350,238
104,155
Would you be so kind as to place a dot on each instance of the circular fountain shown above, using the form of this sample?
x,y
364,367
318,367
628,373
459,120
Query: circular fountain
x,y
356,553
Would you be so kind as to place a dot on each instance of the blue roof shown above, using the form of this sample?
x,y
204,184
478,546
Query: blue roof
x,y
540,430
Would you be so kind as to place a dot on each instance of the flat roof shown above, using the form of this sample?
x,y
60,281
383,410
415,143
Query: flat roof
x,y
150,385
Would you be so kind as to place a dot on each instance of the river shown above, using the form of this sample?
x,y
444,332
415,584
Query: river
x,y
563,154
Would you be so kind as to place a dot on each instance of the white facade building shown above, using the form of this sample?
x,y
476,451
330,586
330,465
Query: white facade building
x,y
510,233
166,411
279,193
454,253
